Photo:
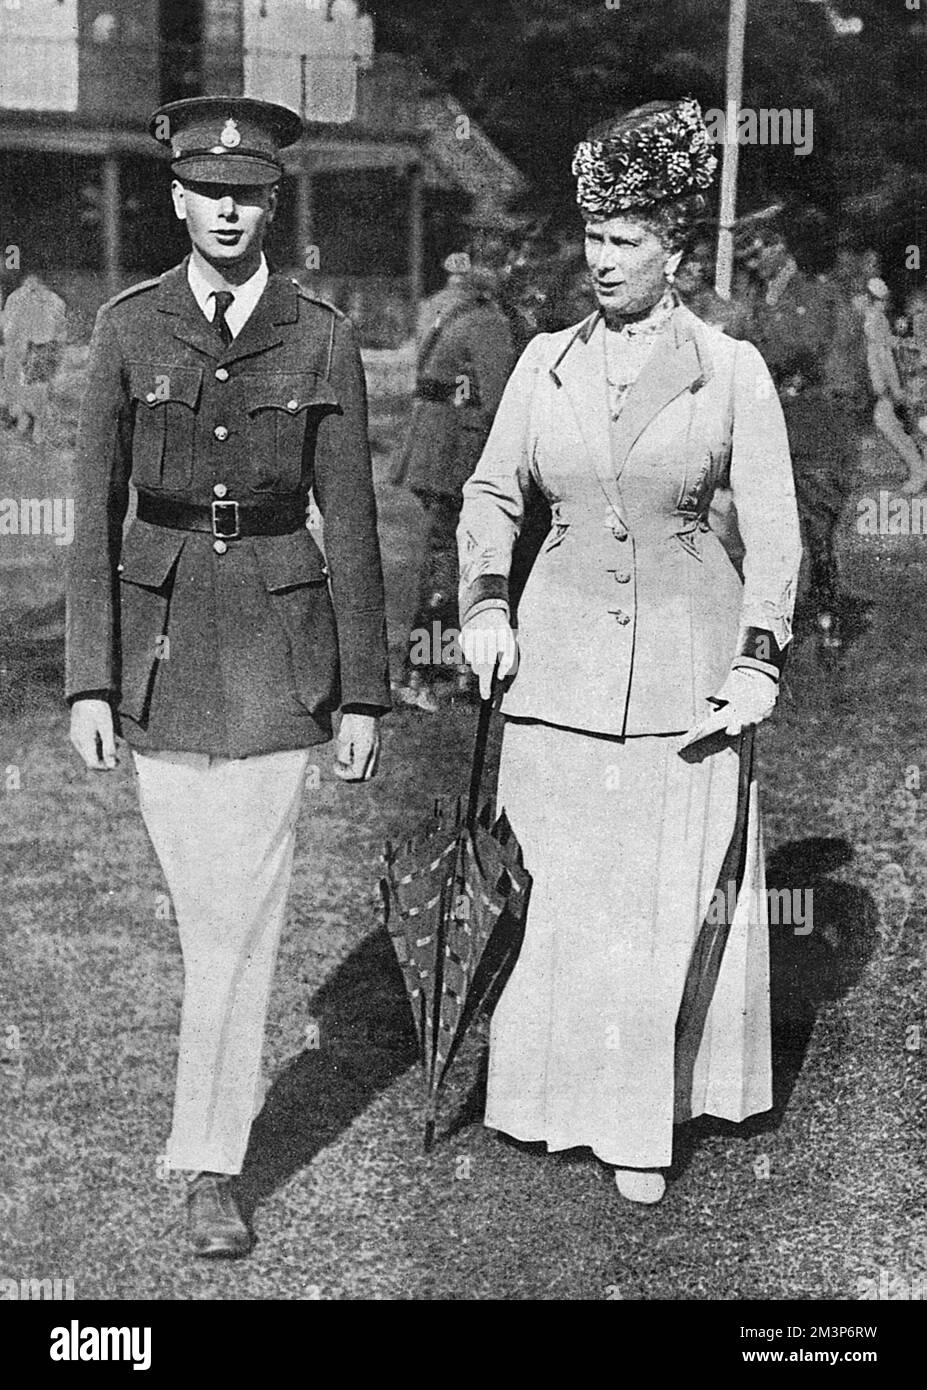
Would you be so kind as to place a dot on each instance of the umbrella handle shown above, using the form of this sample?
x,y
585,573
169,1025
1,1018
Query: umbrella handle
x,y
479,755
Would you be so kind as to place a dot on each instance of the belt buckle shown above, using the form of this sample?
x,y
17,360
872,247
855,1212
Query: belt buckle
x,y
225,523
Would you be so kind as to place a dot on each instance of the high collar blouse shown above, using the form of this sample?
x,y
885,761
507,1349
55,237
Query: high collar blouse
x,y
628,348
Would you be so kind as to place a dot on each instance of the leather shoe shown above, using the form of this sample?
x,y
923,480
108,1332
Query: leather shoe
x,y
215,1226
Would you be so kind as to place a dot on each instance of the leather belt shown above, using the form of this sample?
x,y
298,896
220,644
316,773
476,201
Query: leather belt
x,y
428,388
227,520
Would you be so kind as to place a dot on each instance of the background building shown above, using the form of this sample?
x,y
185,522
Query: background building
x,y
373,196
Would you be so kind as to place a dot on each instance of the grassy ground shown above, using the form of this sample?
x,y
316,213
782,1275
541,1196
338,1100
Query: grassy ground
x,y
825,1193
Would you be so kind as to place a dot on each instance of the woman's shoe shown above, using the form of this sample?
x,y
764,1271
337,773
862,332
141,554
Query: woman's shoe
x,y
640,1184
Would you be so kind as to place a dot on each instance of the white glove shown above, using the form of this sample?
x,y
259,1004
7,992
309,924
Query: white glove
x,y
750,697
746,697
489,646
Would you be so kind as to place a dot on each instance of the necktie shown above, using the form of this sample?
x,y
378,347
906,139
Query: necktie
x,y
223,300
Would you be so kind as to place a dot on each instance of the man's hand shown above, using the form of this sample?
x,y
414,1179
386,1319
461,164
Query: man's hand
x,y
92,734
488,643
358,754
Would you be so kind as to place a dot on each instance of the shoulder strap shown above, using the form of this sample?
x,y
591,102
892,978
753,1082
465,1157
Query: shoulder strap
x,y
317,299
133,290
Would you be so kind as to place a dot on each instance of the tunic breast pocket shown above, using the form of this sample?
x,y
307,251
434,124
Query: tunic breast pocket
x,y
284,412
164,432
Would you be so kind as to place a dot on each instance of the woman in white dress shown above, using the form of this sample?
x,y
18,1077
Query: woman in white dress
x,y
635,628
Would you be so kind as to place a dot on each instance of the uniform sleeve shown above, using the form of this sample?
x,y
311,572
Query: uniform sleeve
x,y
763,493
494,495
345,495
102,465
493,355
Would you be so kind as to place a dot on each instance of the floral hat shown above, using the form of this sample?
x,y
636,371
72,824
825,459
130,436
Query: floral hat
x,y
652,154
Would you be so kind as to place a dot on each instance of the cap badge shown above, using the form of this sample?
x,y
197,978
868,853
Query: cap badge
x,y
230,135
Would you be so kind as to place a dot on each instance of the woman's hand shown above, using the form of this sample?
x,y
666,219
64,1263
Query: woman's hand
x,y
488,643
750,697
746,697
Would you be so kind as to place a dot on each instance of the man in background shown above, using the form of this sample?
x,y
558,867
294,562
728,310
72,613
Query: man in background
x,y
464,360
34,321
812,340
893,414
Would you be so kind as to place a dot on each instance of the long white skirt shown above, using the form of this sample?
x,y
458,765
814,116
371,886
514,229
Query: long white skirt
x,y
626,842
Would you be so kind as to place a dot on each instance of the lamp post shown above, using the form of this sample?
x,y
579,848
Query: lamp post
x,y
734,80
734,77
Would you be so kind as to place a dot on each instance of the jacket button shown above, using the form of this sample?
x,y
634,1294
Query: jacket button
x,y
622,618
220,490
151,398
222,374
219,547
221,433
621,577
619,533
292,405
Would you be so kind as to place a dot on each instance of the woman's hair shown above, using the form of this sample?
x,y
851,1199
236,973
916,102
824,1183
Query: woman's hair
x,y
677,221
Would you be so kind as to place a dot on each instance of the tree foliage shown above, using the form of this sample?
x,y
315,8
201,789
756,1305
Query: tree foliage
x,y
538,73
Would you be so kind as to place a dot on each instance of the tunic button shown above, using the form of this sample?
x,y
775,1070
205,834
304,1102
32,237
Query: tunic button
x,y
292,405
221,374
221,433
621,577
220,490
620,535
622,618
219,547
151,398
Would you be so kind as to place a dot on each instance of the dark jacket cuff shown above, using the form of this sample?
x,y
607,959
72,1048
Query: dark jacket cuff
x,y
759,649
364,661
487,586
107,695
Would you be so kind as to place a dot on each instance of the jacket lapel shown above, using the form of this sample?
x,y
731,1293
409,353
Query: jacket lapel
x,y
176,298
277,305
674,366
580,372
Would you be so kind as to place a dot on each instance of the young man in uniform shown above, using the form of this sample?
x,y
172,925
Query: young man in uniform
x,y
213,636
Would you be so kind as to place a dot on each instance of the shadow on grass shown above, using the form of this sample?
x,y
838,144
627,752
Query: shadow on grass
x,y
805,972
367,1042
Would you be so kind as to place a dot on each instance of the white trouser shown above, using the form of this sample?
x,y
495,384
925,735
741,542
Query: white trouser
x,y
224,831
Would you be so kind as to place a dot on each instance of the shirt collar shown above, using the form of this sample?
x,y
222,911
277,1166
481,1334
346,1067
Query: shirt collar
x,y
204,281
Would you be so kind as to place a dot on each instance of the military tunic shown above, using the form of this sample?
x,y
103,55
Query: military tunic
x,y
203,646
812,341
